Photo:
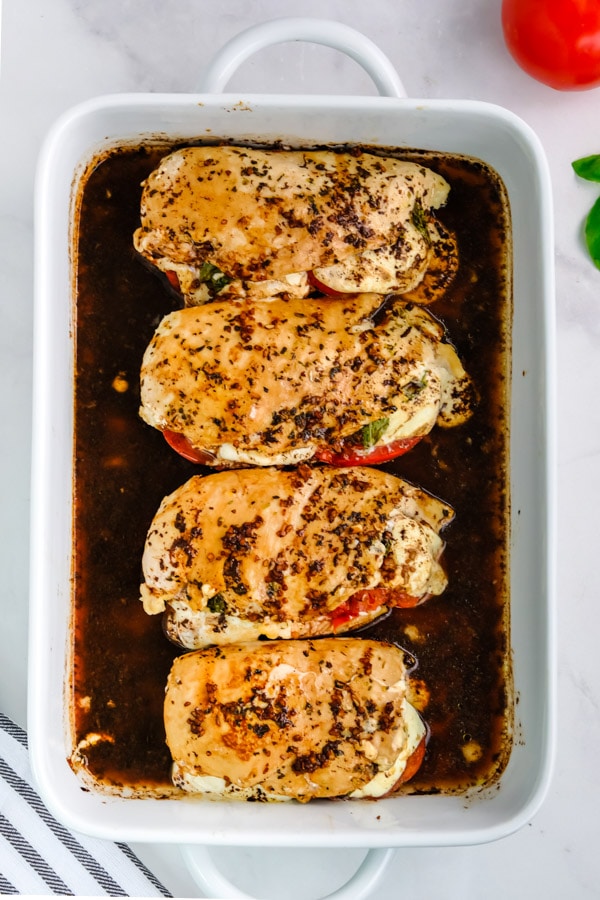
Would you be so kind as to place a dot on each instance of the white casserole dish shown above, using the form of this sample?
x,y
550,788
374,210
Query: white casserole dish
x,y
470,128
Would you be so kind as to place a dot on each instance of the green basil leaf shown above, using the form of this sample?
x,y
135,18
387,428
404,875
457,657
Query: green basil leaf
x,y
414,388
592,233
371,433
213,277
588,167
419,220
217,604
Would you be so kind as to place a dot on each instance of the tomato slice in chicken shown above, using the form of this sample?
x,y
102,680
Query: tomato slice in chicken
x,y
173,279
348,456
413,764
181,445
368,600
323,288
352,455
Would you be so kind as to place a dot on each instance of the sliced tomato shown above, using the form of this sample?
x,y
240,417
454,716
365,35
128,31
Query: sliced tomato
x,y
367,601
413,763
323,288
182,445
173,279
355,455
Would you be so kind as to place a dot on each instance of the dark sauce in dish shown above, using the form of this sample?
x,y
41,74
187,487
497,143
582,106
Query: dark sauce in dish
x,y
123,469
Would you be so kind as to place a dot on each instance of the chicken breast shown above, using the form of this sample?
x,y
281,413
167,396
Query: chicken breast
x,y
241,554
277,383
240,221
292,720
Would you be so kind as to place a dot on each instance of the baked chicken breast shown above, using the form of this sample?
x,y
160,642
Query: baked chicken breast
x,y
241,554
239,221
254,383
293,720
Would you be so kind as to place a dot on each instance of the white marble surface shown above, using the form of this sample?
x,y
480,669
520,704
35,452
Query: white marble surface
x,y
58,52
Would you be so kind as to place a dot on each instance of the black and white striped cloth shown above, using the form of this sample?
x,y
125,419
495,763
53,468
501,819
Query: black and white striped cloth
x,y
39,856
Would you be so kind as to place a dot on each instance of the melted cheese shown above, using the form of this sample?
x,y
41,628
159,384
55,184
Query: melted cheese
x,y
413,732
230,454
194,628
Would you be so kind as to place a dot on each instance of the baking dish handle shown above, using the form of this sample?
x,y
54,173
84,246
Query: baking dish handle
x,y
214,884
316,31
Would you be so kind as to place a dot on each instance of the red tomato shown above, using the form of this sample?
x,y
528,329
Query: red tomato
x,y
173,279
358,456
367,601
323,288
555,41
181,445
352,456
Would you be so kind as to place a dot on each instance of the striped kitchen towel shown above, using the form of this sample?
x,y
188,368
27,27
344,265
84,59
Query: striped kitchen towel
x,y
39,856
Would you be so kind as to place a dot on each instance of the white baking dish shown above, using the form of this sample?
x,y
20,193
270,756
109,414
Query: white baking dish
x,y
472,128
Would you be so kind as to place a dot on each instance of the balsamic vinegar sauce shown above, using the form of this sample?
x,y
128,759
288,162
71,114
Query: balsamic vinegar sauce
x,y
123,469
